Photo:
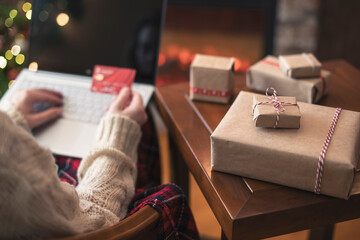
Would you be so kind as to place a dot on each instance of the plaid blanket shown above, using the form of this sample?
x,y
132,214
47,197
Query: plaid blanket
x,y
176,219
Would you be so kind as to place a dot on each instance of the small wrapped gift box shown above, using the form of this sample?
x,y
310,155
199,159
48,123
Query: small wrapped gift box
x,y
300,65
275,112
212,78
267,73
299,158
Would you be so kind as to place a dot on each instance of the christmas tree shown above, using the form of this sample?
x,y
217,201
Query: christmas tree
x,y
14,32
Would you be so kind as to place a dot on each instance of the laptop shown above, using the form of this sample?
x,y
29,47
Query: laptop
x,y
67,38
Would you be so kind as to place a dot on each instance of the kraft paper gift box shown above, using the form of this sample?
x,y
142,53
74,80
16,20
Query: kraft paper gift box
x,y
300,65
212,78
267,73
265,115
289,157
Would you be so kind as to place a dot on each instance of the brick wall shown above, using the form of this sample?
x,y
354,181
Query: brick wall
x,y
296,26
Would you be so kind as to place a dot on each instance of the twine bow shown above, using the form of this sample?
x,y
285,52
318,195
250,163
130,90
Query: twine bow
x,y
278,106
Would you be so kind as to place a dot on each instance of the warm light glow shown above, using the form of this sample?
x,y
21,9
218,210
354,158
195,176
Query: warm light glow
x,y
192,57
33,66
162,60
8,55
13,13
11,82
62,19
43,15
15,50
173,51
237,64
210,50
28,14
20,59
26,7
184,56
246,65
9,22
3,62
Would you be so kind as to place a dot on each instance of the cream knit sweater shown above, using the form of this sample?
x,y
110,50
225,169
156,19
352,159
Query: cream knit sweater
x,y
35,203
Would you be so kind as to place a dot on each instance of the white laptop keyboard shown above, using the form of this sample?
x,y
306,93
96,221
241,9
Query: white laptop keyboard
x,y
79,102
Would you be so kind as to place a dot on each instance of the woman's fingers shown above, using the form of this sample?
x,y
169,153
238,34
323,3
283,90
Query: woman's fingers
x,y
37,119
43,95
121,100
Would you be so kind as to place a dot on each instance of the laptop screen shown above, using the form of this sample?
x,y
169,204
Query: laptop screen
x,y
72,36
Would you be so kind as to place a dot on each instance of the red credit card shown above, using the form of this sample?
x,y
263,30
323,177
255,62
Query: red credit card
x,y
110,80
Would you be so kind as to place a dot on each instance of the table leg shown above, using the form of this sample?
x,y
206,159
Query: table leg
x,y
322,233
181,172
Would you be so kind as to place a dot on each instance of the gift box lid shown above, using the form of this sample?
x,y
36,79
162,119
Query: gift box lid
x,y
215,62
300,65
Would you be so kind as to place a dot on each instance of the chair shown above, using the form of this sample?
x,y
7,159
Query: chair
x,y
140,225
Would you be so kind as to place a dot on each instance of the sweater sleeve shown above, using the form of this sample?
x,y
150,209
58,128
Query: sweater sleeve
x,y
12,111
107,174
37,204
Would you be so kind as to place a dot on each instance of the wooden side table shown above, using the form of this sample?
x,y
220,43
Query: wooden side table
x,y
247,208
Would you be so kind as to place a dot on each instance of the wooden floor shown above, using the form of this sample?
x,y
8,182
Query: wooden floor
x,y
209,228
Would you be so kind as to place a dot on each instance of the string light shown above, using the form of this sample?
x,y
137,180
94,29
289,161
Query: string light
x,y
8,22
62,19
15,50
19,38
26,7
28,14
33,66
3,62
13,13
20,59
8,55
43,15
11,82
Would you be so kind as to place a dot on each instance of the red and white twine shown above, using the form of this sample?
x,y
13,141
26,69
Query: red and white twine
x,y
320,166
278,106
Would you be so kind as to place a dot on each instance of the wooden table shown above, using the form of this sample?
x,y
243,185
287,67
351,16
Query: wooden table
x,y
246,208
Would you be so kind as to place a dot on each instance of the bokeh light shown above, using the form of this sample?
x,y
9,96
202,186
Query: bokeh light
x,y
8,55
26,7
3,62
13,13
20,59
28,14
11,82
15,50
43,15
19,37
62,19
8,22
33,66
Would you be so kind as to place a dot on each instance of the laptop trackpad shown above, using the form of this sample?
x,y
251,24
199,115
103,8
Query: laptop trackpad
x,y
69,138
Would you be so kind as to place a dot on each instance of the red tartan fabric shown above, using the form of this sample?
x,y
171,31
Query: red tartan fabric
x,y
176,221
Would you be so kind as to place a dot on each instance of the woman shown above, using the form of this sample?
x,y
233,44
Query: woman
x,y
34,202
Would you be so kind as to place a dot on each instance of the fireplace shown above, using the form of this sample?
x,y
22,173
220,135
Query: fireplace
x,y
242,29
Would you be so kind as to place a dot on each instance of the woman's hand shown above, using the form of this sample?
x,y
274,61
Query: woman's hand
x,y
130,104
24,100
